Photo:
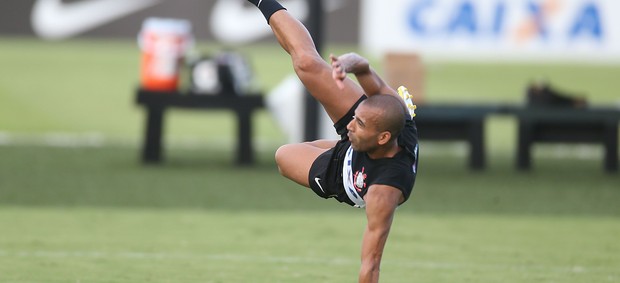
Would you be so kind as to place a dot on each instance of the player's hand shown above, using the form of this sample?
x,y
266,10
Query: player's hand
x,y
348,63
339,72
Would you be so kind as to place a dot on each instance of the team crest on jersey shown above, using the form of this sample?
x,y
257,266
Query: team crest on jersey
x,y
360,180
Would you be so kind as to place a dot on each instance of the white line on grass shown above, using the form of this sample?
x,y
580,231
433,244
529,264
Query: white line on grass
x,y
557,151
244,258
97,139
54,139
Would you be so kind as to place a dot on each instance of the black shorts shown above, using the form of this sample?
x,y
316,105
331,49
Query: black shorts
x,y
325,176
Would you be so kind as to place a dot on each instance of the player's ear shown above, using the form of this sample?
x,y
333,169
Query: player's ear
x,y
384,137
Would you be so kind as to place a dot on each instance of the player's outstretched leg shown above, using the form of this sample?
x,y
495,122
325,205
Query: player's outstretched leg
x,y
294,160
314,72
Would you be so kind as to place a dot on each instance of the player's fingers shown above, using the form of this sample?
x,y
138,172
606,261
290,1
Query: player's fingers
x,y
340,84
336,64
333,58
339,72
337,76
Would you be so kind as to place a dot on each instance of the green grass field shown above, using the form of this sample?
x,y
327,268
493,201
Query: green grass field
x,y
76,205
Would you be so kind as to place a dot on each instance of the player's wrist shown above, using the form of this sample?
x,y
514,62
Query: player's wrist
x,y
355,64
267,7
360,68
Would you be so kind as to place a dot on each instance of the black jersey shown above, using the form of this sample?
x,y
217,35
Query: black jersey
x,y
360,171
345,174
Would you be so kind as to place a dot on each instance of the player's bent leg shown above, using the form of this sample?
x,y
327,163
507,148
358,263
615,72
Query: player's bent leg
x,y
324,144
294,161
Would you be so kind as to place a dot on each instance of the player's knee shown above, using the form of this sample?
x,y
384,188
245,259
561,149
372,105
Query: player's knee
x,y
307,63
281,157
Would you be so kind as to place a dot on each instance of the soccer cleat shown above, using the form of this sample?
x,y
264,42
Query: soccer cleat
x,y
408,98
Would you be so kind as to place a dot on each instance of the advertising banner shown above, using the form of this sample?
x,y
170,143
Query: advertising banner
x,y
573,30
224,21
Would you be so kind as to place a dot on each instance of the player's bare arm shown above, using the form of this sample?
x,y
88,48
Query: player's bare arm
x,y
368,79
381,202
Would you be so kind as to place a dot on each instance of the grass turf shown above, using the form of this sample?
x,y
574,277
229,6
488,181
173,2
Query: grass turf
x,y
128,245
94,214
99,216
205,178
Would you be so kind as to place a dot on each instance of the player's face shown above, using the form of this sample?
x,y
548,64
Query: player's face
x,y
363,132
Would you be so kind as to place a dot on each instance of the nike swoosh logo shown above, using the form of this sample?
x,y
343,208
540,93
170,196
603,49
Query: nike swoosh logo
x,y
234,22
53,19
318,182
259,1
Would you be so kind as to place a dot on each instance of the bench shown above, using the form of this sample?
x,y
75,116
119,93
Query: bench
x,y
456,123
536,125
157,102
548,125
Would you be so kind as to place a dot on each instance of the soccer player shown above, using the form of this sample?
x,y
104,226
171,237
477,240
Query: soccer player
x,y
374,164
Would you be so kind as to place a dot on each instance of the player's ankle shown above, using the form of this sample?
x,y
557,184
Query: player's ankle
x,y
267,7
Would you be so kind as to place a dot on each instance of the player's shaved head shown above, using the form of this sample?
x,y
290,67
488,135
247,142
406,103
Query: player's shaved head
x,y
392,113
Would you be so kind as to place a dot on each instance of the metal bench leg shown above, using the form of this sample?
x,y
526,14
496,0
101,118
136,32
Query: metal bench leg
x,y
611,146
476,141
524,145
151,150
245,152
